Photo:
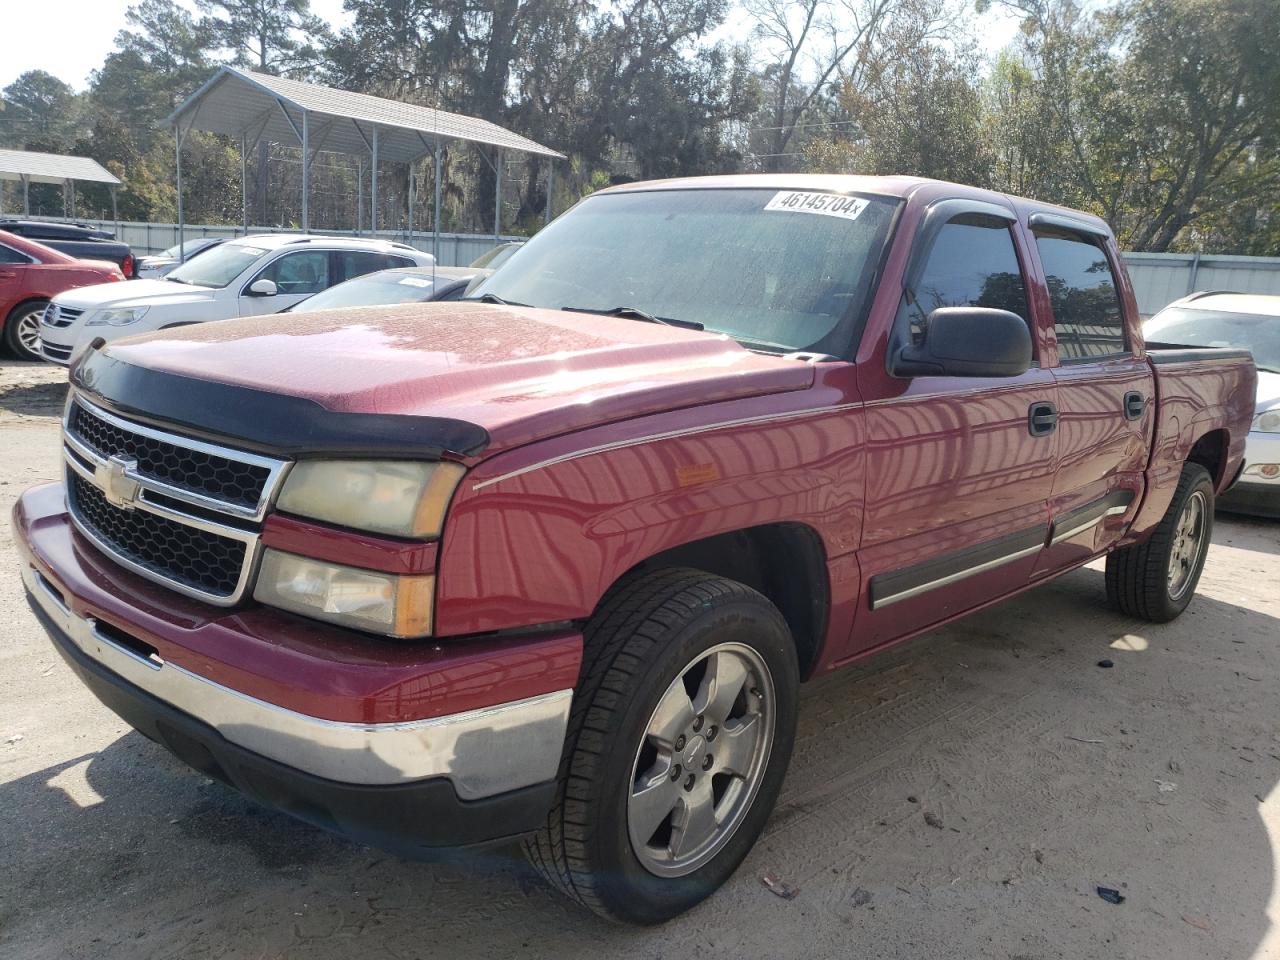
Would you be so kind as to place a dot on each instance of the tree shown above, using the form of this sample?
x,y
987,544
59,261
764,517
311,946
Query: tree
x,y
806,45
918,110
272,36
40,113
1161,109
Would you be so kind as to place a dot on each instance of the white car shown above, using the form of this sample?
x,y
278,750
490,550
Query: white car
x,y
1238,320
241,278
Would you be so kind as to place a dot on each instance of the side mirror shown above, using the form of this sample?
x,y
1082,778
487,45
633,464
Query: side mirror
x,y
968,342
263,288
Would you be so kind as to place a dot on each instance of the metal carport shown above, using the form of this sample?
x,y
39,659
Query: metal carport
x,y
253,106
29,167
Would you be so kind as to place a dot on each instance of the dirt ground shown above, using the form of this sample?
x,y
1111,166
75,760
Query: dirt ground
x,y
1043,777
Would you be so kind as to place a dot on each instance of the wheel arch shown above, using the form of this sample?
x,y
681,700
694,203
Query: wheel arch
x,y
784,561
1211,451
25,302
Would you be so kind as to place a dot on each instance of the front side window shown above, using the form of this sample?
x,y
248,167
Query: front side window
x,y
973,263
299,274
1084,295
777,270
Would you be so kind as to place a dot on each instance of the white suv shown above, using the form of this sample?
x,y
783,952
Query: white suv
x,y
240,278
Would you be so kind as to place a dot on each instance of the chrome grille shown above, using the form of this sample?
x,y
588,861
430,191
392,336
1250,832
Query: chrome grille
x,y
57,316
197,471
179,511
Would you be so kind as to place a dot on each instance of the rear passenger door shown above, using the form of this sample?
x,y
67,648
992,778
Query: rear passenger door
x,y
356,263
1105,404
957,480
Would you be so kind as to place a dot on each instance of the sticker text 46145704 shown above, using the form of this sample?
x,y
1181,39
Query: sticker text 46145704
x,y
826,204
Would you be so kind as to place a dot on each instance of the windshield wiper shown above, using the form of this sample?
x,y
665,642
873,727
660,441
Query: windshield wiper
x,y
637,314
494,298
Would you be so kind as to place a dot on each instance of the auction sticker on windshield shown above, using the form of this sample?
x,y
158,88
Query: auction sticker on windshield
x,y
826,204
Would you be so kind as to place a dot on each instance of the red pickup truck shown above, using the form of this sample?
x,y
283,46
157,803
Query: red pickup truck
x,y
553,563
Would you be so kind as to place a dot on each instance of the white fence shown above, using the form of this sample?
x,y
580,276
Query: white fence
x,y
1158,278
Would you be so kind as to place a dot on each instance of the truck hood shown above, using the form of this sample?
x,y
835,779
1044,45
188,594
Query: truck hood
x,y
521,374
135,293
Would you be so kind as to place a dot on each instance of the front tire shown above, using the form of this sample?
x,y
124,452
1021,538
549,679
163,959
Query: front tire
x,y
679,739
22,330
1155,580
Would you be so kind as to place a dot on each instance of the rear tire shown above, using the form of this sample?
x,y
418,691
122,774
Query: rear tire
x,y
1155,580
22,330
668,775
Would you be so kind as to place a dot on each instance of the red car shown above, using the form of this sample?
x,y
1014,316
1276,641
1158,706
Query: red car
x,y
553,564
31,274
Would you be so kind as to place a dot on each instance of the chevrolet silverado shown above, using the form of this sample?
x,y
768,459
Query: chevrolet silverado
x,y
552,564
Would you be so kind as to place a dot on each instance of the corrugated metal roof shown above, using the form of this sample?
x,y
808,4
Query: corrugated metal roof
x,y
51,167
238,102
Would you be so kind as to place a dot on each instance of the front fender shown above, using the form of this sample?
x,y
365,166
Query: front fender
x,y
539,534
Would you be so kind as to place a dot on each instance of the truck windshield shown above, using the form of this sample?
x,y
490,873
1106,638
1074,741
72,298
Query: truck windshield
x,y
218,267
777,270
1213,328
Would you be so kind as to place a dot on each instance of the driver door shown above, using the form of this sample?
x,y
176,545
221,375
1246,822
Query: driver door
x,y
959,470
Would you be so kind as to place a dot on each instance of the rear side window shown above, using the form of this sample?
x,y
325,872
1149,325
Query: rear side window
x,y
10,255
356,263
972,264
1083,292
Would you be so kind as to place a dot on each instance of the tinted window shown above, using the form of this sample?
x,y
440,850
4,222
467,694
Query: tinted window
x,y
972,264
1082,290
9,255
356,263
304,272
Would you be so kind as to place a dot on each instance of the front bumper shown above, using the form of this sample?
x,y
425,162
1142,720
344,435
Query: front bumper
x,y
356,758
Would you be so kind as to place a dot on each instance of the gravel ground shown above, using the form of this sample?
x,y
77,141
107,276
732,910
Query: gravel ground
x,y
960,796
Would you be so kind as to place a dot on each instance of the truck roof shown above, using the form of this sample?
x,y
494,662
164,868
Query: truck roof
x,y
892,186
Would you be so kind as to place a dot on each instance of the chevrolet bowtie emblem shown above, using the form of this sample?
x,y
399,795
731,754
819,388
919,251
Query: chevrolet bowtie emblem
x,y
112,479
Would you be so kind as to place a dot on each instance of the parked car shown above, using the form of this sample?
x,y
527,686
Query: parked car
x,y
493,258
554,562
401,285
160,264
75,240
1252,322
247,277
30,274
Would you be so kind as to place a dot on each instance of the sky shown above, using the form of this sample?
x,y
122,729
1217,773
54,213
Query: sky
x,y
27,41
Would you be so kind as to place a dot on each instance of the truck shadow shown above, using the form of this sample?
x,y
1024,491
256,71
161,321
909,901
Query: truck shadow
x,y
32,389
1040,772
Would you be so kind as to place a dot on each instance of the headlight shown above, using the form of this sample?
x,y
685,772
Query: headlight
x,y
1268,422
362,599
397,497
118,318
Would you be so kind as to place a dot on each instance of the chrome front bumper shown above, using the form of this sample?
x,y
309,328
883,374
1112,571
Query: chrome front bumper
x,y
482,753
